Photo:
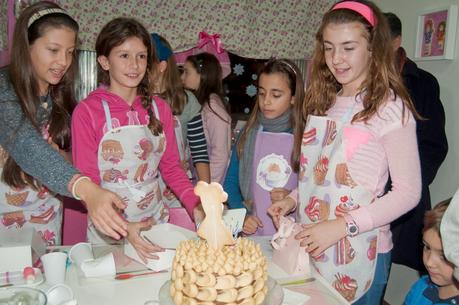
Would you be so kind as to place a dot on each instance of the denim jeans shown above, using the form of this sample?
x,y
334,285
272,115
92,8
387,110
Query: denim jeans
x,y
375,295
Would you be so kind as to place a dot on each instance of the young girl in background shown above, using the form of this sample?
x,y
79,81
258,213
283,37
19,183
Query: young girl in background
x,y
439,286
357,113
121,137
191,141
260,161
36,102
203,74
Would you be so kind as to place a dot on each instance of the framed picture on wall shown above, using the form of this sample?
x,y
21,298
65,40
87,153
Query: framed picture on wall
x,y
436,33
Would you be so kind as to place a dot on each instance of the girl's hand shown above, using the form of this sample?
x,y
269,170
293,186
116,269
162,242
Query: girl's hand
x,y
144,248
319,237
281,208
198,214
278,194
251,224
103,207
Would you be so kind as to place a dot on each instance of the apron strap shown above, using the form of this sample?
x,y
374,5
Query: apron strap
x,y
155,107
108,117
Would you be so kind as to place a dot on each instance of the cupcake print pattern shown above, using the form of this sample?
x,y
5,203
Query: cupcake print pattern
x,y
320,170
346,286
318,209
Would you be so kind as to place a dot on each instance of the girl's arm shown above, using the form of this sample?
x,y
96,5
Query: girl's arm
x,y
30,151
198,148
231,183
84,142
401,149
219,133
169,166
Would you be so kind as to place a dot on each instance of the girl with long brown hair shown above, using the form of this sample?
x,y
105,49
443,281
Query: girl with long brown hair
x,y
260,167
36,102
358,126
203,74
124,139
166,83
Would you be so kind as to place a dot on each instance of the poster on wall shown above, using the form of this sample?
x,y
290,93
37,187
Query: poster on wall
x,y
436,33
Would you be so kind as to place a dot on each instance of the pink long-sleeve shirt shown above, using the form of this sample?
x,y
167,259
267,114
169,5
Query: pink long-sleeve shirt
x,y
374,149
217,129
88,122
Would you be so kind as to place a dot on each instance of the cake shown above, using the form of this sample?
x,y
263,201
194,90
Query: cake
x,y
216,269
232,275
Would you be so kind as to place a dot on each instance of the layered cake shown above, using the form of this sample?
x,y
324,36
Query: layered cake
x,y
216,269
233,275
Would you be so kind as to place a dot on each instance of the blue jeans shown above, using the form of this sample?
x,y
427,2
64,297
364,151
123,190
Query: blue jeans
x,y
375,295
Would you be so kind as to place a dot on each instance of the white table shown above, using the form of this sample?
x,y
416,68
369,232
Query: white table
x,y
137,291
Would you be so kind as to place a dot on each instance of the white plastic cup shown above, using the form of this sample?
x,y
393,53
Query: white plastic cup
x,y
54,264
81,253
59,294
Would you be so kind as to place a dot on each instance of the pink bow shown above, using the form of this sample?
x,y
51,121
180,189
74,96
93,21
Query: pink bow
x,y
204,38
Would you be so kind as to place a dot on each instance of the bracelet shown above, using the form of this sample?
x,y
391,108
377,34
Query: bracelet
x,y
75,183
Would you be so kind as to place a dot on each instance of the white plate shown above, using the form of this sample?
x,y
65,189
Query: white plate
x,y
16,278
274,297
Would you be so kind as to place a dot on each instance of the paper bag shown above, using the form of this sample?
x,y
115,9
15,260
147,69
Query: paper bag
x,y
287,253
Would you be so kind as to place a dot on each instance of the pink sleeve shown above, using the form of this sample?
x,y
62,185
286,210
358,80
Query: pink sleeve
x,y
169,166
219,134
400,146
84,142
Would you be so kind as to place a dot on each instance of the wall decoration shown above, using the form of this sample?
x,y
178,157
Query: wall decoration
x,y
436,33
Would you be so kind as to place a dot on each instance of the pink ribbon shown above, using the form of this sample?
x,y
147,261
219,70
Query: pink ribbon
x,y
204,38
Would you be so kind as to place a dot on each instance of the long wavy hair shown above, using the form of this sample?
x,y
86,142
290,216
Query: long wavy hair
x,y
210,72
383,81
171,85
27,89
115,33
295,83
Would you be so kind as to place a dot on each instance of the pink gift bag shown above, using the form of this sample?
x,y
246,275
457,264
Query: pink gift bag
x,y
210,44
287,253
180,217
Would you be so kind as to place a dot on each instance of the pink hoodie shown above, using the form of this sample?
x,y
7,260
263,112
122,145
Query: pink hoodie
x,y
88,128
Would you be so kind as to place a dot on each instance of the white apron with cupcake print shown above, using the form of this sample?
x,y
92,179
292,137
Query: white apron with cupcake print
x,y
29,208
326,190
128,159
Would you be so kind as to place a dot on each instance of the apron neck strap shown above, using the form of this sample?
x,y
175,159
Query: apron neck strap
x,y
108,117
155,107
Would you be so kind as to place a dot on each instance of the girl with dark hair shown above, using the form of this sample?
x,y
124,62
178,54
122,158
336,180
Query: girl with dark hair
x,y
121,137
260,167
359,127
36,102
203,74
191,141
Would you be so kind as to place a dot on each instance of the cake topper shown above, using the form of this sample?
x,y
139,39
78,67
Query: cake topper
x,y
212,228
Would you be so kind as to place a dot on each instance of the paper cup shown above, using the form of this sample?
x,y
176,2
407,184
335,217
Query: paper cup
x,y
80,253
59,294
54,264
101,267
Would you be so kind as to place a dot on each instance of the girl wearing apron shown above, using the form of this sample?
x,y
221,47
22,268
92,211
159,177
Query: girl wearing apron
x,y
124,140
189,131
352,139
37,98
260,167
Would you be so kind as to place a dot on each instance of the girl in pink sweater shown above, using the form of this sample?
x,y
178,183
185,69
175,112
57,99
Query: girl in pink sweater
x,y
358,127
203,74
121,137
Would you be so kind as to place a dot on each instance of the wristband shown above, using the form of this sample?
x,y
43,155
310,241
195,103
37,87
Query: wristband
x,y
75,183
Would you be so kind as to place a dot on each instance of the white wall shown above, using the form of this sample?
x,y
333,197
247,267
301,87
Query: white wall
x,y
447,73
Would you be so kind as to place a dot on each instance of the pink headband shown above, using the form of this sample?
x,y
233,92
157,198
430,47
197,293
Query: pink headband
x,y
358,7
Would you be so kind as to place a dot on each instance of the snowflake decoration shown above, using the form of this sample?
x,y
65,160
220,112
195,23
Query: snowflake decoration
x,y
251,90
238,69
254,76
